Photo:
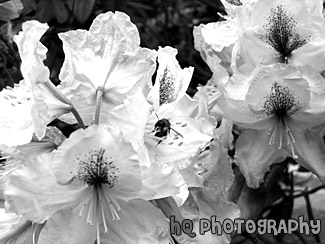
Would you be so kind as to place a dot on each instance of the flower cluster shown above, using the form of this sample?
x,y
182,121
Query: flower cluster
x,y
267,60
139,154
141,150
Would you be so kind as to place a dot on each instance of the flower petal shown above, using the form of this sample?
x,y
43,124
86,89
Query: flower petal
x,y
141,223
16,126
107,57
66,226
216,50
122,21
31,51
163,181
171,81
186,143
254,155
73,157
47,104
131,118
310,148
9,222
32,190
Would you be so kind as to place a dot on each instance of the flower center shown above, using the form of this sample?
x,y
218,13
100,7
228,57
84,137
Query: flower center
x,y
98,171
280,102
167,87
96,168
281,33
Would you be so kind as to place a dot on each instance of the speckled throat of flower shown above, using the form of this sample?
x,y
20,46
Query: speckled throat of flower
x,y
235,2
282,34
280,102
97,168
166,87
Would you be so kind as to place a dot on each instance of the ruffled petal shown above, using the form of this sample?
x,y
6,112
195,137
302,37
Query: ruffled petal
x,y
254,155
31,51
107,57
122,22
32,191
214,50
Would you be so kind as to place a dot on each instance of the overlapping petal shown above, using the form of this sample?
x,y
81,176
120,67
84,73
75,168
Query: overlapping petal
x,y
32,191
16,126
107,56
48,102
276,104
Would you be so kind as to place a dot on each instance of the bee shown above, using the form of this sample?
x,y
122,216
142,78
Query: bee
x,y
162,129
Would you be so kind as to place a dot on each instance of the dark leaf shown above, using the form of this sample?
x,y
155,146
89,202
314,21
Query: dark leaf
x,y
10,10
48,10
81,9
29,6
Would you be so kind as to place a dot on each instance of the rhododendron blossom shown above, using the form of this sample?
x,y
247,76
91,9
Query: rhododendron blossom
x,y
116,146
289,31
106,59
89,175
279,105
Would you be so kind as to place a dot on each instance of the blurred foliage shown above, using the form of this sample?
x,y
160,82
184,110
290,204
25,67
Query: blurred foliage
x,y
160,23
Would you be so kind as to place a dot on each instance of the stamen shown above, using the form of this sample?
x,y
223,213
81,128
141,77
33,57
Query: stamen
x,y
99,189
112,203
96,167
90,194
291,140
4,158
280,125
92,205
4,174
272,132
98,233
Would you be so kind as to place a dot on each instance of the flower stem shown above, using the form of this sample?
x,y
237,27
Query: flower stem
x,y
58,94
77,116
99,96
